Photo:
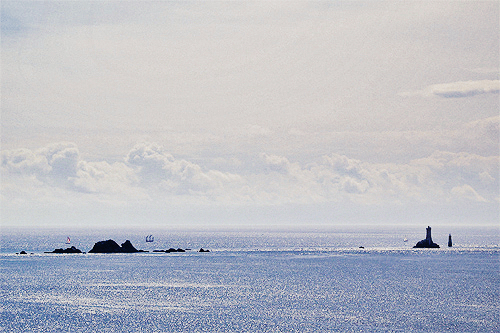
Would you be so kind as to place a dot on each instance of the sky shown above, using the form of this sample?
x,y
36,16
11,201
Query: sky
x,y
243,114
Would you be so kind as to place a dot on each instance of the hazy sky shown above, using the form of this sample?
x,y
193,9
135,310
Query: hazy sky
x,y
249,113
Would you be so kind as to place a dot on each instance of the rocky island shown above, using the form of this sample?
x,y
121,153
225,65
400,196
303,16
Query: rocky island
x,y
68,250
110,246
170,250
427,242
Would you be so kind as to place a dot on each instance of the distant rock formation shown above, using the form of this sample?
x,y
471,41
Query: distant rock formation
x,y
202,250
170,250
450,243
127,247
427,242
68,250
110,246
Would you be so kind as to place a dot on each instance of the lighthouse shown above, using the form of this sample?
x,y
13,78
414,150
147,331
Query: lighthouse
x,y
427,242
428,236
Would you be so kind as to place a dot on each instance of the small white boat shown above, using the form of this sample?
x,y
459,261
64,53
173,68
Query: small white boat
x,y
405,239
68,241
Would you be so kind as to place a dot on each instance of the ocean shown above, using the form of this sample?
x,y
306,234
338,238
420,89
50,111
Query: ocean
x,y
252,281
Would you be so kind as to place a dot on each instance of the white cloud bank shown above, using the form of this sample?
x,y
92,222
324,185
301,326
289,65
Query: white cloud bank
x,y
459,89
60,168
151,175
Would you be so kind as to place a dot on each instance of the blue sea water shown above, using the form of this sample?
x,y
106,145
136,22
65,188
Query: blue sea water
x,y
252,281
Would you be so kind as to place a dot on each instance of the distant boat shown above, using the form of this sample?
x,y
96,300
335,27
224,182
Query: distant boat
x,y
150,239
68,241
405,239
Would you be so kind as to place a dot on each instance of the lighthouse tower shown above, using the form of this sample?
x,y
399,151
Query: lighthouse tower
x,y
428,236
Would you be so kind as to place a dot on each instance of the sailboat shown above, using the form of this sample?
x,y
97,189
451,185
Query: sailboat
x,y
68,241
150,239
405,239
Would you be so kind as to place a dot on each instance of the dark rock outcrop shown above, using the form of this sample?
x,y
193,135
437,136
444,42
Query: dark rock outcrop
x,y
68,250
127,247
450,243
110,246
427,242
202,250
170,250
22,252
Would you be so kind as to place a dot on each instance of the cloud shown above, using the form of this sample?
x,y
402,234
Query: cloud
x,y
455,172
152,160
57,160
59,166
466,88
102,177
24,161
276,163
487,129
158,169
63,159
459,89
149,170
466,192
149,174
344,165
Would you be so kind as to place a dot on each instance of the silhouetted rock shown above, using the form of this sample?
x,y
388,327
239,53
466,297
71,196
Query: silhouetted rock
x,y
22,252
110,246
107,246
127,247
427,242
68,250
170,250
450,243
202,250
